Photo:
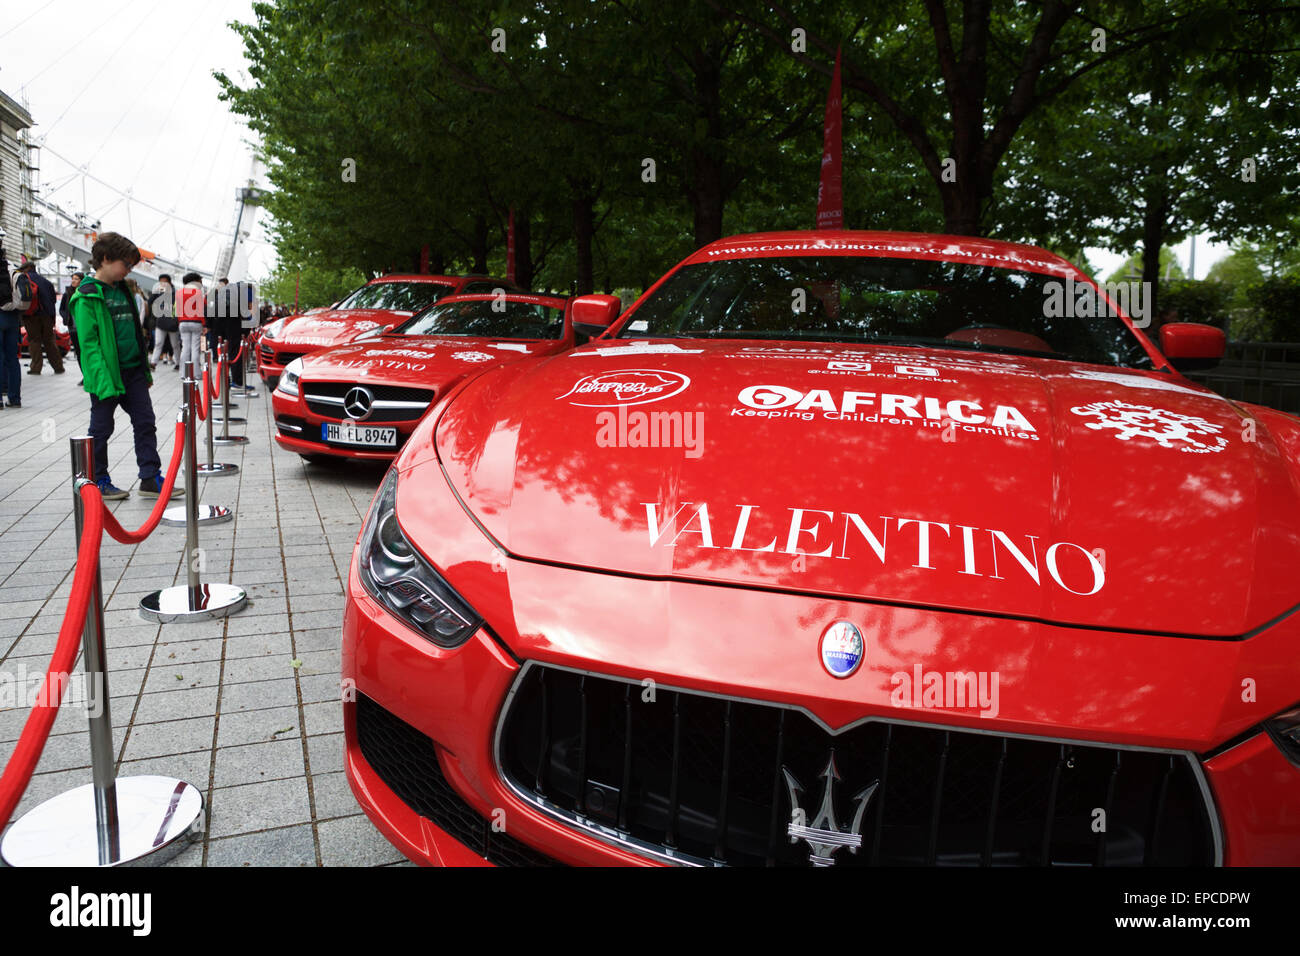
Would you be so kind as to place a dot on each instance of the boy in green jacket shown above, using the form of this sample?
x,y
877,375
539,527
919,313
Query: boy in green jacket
x,y
114,362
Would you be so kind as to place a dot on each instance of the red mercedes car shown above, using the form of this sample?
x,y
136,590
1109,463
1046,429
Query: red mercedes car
x,y
838,548
380,303
363,400
61,338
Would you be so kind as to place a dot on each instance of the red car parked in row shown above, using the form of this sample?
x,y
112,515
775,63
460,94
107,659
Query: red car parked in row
x,y
839,548
363,400
380,303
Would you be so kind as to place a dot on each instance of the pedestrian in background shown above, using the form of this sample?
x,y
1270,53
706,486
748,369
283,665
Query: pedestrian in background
x,y
65,311
11,374
162,307
40,323
114,362
191,305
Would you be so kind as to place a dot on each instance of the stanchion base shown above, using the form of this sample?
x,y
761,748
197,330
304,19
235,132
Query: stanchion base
x,y
175,603
216,404
233,419
217,469
208,514
157,818
231,440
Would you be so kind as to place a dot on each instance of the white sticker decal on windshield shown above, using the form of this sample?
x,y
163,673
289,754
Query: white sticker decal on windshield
x,y
1135,381
641,348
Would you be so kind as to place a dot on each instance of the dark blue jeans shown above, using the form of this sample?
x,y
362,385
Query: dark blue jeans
x,y
11,374
139,407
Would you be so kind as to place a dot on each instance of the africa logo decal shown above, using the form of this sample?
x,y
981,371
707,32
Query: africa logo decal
x,y
472,356
1168,429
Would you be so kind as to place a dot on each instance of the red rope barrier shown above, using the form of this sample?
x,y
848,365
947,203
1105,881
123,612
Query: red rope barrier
x,y
117,532
31,743
239,354
204,400
213,390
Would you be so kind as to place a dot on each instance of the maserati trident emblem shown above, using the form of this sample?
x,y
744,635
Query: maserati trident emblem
x,y
824,835
358,403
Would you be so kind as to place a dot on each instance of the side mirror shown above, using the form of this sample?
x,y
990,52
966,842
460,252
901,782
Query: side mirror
x,y
1191,346
593,314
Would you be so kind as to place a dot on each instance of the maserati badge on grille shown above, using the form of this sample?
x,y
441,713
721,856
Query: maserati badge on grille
x,y
824,835
842,649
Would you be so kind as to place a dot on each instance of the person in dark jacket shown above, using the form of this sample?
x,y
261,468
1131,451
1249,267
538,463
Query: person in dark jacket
x,y
11,374
65,310
40,325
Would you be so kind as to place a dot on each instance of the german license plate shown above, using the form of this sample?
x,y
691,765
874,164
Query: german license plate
x,y
348,433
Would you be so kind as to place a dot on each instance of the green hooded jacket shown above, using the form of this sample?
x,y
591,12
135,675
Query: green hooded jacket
x,y
96,342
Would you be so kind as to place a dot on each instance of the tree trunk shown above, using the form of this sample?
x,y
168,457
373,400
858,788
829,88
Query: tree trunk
x,y
961,207
523,254
480,244
707,192
584,228
1153,235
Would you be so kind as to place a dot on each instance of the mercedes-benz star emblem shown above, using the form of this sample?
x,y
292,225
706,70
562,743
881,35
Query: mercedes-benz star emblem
x,y
358,403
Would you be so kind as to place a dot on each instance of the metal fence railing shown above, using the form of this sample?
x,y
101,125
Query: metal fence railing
x,y
1266,373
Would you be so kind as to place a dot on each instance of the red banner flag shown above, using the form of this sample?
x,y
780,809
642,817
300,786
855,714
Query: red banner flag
x,y
510,248
830,192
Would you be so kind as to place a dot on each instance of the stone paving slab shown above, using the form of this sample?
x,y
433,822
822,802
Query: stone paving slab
x,y
215,703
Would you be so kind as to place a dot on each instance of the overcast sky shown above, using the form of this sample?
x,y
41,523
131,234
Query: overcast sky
x,y
126,89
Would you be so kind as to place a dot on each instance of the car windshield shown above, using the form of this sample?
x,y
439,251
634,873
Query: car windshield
x,y
490,318
397,296
895,301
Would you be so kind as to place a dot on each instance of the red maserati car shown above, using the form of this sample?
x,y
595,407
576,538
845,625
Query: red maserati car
x,y
363,400
837,548
380,303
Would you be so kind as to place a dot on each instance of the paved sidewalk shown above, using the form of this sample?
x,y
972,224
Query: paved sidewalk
x,y
219,704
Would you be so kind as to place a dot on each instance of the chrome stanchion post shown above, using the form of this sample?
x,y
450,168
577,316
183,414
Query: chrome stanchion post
x,y
181,514
227,438
250,367
107,833
110,821
212,468
193,600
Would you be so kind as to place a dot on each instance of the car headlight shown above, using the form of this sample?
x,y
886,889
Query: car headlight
x,y
289,377
395,575
272,329
1285,731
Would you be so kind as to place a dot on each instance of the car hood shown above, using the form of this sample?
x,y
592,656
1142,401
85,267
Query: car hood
x,y
419,360
1031,488
335,326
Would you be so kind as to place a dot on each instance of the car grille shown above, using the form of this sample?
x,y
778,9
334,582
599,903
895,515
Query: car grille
x,y
326,399
282,358
407,762
703,779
